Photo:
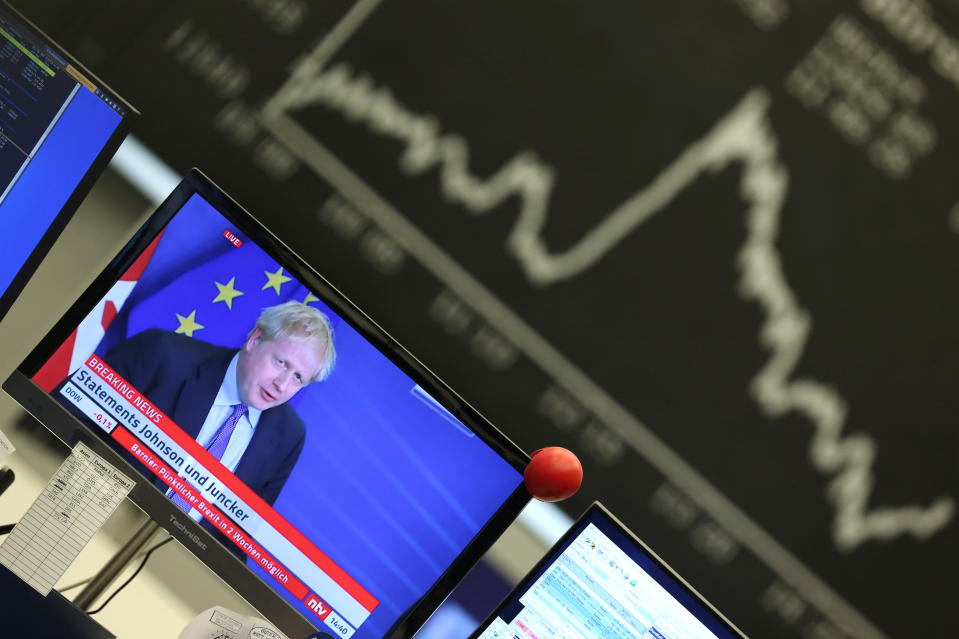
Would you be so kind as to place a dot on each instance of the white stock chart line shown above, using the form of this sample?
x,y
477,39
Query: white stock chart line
x,y
743,137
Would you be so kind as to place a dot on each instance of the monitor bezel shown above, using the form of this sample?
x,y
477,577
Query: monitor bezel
x,y
67,427
96,168
554,552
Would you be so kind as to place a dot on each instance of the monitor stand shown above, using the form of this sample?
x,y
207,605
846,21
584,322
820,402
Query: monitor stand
x,y
115,564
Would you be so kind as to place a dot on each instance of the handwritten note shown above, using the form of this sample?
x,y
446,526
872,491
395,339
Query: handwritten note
x,y
75,504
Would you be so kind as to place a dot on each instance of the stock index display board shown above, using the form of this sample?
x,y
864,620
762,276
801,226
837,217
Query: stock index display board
x,y
709,245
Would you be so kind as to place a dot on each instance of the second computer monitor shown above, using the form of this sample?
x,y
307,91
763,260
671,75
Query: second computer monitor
x,y
598,582
59,126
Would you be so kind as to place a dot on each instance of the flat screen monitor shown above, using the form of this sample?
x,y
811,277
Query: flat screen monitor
x,y
59,126
601,582
276,431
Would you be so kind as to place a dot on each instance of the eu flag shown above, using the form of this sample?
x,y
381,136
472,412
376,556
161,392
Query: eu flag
x,y
208,281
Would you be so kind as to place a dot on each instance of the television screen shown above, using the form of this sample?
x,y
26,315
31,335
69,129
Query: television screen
x,y
599,582
277,432
59,126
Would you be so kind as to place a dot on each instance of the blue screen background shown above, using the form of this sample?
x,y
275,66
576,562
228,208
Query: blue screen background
x,y
61,162
387,487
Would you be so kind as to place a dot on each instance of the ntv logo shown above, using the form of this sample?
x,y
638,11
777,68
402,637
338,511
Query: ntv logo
x,y
317,605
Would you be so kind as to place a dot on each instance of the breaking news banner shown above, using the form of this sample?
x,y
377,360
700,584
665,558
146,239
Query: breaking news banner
x,y
322,491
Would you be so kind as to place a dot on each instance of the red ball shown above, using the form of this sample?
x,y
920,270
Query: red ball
x,y
553,474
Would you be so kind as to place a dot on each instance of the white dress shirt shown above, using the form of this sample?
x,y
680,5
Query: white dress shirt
x,y
227,397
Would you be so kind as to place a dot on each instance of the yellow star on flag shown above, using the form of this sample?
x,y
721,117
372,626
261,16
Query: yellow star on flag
x,y
188,324
310,297
226,293
275,280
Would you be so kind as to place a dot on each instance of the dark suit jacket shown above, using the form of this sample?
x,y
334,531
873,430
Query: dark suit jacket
x,y
181,376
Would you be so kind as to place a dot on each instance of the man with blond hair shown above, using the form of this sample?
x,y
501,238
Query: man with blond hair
x,y
234,402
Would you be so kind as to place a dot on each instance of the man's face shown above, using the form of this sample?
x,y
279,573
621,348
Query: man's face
x,y
270,371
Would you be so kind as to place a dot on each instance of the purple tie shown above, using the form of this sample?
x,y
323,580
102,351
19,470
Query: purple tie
x,y
216,448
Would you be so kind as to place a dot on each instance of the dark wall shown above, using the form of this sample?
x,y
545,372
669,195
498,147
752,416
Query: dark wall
x,y
709,245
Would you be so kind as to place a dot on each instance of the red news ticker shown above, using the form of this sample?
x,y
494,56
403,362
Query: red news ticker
x,y
228,479
232,239
212,514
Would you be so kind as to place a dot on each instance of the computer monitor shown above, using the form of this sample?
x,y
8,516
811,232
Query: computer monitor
x,y
355,506
59,126
601,581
